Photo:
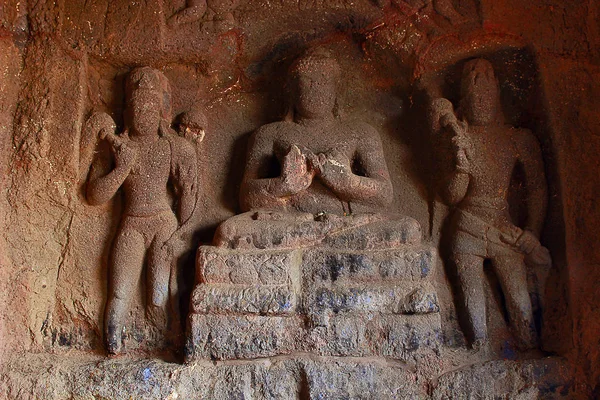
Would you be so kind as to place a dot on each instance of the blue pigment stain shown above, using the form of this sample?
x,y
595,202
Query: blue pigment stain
x,y
424,268
508,353
147,373
286,305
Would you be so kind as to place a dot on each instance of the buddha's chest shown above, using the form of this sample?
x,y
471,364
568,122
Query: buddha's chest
x,y
317,140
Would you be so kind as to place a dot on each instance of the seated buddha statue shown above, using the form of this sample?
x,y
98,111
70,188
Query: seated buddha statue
x,y
314,178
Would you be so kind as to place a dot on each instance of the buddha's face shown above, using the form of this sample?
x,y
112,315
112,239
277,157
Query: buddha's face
x,y
316,93
480,94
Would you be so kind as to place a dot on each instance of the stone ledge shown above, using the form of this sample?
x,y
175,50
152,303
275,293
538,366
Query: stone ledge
x,y
277,267
261,303
80,375
278,299
547,378
399,337
246,267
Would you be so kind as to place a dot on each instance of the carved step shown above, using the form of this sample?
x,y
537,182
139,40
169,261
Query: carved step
x,y
401,337
273,267
265,267
384,299
230,337
402,263
219,298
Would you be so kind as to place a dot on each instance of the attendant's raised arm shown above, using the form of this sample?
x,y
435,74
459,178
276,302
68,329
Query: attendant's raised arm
x,y
454,181
102,187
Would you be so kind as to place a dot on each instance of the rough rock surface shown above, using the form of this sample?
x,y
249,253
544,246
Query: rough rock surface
x,y
61,61
538,379
83,376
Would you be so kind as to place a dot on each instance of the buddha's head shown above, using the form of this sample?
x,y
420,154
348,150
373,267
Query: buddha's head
x,y
314,81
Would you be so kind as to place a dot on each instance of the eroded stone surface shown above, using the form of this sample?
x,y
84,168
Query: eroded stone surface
x,y
547,378
401,337
243,299
356,380
399,264
339,303
217,265
66,60
384,299
231,337
51,377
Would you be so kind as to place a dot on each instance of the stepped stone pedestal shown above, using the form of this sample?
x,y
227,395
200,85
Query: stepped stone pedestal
x,y
256,303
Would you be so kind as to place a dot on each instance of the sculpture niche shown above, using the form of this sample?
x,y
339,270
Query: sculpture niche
x,y
316,243
484,152
148,155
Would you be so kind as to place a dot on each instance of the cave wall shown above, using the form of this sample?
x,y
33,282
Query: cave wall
x,y
62,60
565,38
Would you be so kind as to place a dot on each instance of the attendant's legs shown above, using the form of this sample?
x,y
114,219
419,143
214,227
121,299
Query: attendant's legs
x,y
127,263
471,278
160,259
511,272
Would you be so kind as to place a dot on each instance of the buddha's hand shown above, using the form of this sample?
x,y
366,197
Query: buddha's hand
x,y
296,175
312,159
335,169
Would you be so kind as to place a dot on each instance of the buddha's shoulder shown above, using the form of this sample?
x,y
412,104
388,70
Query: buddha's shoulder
x,y
359,129
277,129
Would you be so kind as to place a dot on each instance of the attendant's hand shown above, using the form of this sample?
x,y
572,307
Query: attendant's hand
x,y
125,156
529,244
174,246
461,144
540,256
448,119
